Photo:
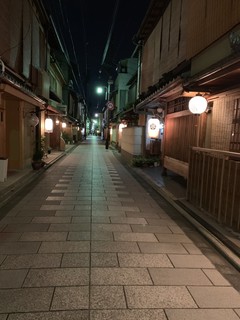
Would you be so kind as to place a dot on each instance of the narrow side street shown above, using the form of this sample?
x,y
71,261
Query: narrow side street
x,y
89,242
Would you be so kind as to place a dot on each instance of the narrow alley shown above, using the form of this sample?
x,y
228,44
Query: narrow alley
x,y
89,242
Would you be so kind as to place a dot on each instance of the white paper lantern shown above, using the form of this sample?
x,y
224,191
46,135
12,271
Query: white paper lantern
x,y
153,128
48,125
64,125
197,104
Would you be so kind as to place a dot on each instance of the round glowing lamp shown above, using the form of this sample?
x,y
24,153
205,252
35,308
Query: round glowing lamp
x,y
197,104
100,90
64,125
48,125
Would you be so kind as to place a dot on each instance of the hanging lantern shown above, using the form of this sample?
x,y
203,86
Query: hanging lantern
x,y
64,125
153,128
48,125
197,104
33,120
57,121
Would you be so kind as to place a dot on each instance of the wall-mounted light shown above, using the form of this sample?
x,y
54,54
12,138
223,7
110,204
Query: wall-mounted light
x,y
197,104
57,121
48,125
153,128
121,126
64,125
33,120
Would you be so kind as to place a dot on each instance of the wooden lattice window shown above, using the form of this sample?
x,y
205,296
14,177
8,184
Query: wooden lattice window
x,y
235,132
177,105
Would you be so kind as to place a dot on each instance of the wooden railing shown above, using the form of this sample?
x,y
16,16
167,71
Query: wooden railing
x,y
214,184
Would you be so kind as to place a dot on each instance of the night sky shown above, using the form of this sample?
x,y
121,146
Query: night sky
x,y
84,27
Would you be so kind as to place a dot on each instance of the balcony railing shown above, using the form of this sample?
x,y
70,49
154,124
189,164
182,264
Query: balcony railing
x,y
214,184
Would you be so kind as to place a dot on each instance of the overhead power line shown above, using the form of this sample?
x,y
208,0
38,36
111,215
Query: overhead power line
x,y
110,32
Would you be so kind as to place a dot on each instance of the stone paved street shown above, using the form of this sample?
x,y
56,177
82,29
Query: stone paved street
x,y
89,242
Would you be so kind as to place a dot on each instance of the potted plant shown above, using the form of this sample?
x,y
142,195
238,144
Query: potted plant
x,y
37,161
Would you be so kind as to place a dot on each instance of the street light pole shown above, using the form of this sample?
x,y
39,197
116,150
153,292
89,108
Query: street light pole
x,y
110,81
106,119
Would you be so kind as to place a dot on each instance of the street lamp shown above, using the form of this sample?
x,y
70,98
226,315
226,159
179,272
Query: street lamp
x,y
109,105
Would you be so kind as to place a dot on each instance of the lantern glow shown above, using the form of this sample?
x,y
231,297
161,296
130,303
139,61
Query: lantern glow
x,y
197,104
153,128
48,125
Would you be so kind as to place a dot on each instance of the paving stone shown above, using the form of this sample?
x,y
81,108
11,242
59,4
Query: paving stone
x,y
3,316
201,314
120,276
52,315
161,222
153,247
215,297
51,220
70,298
61,247
57,207
141,221
77,203
190,261
44,236
176,277
19,247
192,248
107,297
53,198
176,229
146,314
7,237
134,236
12,278
111,227
111,246
100,220
75,260
69,227
150,229
158,297
122,208
102,236
238,312
144,260
57,277
32,261
106,213
25,299
2,258
10,220
75,236
104,260
35,213
216,277
182,238
27,227
73,213
82,207
141,215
